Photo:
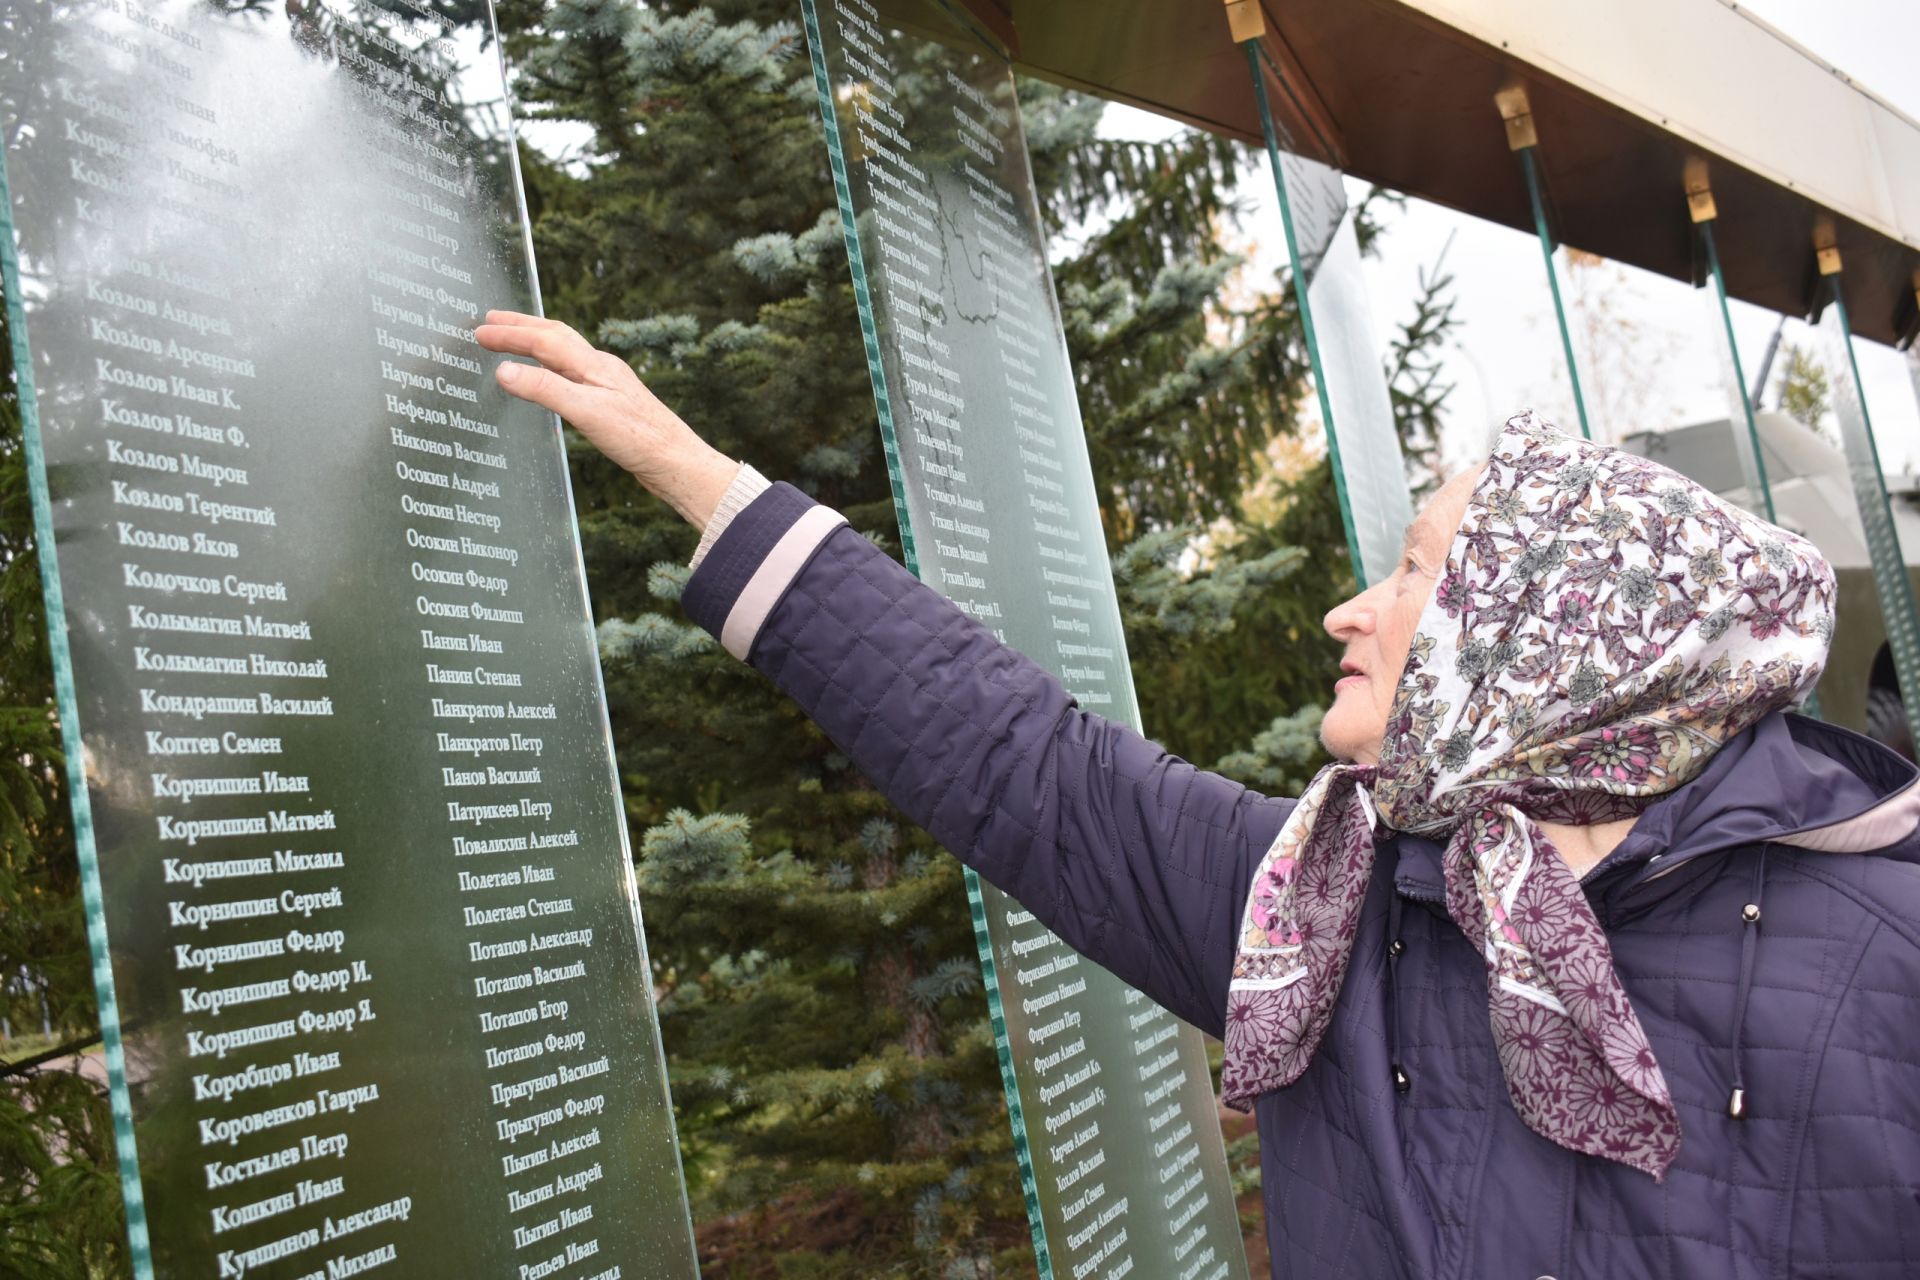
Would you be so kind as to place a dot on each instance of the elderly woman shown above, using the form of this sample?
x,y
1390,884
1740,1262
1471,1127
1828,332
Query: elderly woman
x,y
1587,960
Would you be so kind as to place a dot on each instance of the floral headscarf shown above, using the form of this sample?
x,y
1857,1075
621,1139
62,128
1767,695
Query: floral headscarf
x,y
1602,627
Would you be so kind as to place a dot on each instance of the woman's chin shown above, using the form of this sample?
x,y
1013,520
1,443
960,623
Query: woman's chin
x,y
1347,741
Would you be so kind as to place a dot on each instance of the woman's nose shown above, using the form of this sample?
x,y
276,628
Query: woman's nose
x,y
1349,617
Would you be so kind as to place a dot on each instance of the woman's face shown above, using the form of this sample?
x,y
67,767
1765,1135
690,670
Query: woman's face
x,y
1377,627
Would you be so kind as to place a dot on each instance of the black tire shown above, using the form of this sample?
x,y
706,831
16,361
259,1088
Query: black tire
x,y
1887,720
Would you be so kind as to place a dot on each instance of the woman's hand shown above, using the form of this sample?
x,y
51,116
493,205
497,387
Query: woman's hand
x,y
608,404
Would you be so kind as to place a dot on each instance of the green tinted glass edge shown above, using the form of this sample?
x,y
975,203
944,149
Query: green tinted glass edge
x,y
630,878
1751,457
1876,519
75,749
1534,197
1254,56
889,444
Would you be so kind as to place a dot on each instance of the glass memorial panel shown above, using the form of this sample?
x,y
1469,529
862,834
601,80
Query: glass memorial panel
x,y
1348,373
374,993
1758,465
1913,369
1755,494
1110,1095
1884,594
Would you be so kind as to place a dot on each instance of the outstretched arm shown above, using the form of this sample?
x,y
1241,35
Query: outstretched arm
x,y
601,396
1134,857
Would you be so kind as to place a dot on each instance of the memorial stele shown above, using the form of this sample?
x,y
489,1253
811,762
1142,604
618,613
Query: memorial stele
x,y
373,988
1110,1095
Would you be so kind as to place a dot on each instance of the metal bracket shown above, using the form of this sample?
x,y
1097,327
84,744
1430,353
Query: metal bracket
x,y
1246,20
1826,250
1700,204
1517,112
997,18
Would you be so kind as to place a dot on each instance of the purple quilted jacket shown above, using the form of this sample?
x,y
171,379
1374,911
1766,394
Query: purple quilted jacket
x,y
1142,863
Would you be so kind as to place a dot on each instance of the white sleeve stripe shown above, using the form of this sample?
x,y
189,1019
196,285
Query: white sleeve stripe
x,y
747,485
775,574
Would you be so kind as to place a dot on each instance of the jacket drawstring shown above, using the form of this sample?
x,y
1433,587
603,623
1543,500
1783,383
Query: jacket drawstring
x,y
1749,944
1401,1081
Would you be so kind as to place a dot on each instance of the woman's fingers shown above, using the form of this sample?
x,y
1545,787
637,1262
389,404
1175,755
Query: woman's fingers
x,y
512,330
598,393
500,316
605,418
607,403
553,344
549,390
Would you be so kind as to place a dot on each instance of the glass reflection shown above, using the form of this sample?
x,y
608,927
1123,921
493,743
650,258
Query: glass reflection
x,y
357,871
1356,407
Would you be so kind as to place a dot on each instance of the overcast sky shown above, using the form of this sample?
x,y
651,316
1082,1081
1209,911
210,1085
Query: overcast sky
x,y
1667,372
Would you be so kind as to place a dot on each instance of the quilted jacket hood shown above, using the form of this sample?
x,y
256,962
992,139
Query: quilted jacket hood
x,y
1787,780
